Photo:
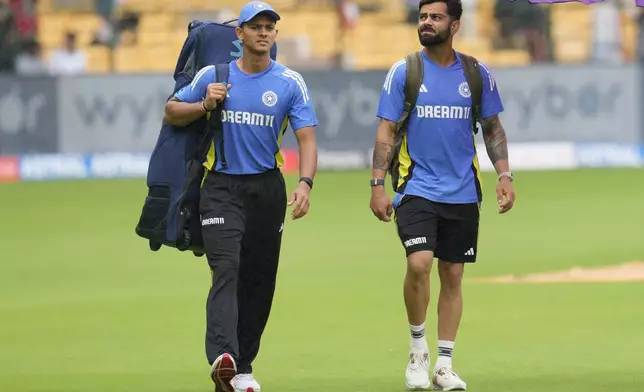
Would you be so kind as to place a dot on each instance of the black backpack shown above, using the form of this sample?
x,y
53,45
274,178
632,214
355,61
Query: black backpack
x,y
413,81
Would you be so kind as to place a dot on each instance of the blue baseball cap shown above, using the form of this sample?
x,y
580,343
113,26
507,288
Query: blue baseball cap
x,y
254,8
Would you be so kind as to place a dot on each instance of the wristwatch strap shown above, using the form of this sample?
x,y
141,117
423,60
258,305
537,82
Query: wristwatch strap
x,y
308,181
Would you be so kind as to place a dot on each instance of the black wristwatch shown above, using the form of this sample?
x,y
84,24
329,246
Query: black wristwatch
x,y
308,181
377,181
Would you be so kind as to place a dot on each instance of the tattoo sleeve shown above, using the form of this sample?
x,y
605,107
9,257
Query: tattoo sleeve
x,y
496,142
381,156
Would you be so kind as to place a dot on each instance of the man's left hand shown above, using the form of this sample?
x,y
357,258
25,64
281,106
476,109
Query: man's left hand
x,y
300,198
505,195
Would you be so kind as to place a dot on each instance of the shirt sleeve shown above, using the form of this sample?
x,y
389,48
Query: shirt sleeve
x,y
490,99
392,97
301,112
196,91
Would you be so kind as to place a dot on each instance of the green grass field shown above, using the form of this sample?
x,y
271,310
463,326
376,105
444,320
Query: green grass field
x,y
85,306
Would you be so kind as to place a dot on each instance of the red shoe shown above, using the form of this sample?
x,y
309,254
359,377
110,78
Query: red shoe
x,y
222,372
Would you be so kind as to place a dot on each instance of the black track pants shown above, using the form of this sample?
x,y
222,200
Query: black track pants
x,y
242,223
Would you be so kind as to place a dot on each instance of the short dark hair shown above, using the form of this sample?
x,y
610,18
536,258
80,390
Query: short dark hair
x,y
454,7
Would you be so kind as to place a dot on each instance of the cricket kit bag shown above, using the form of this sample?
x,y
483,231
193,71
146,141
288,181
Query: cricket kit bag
x,y
170,213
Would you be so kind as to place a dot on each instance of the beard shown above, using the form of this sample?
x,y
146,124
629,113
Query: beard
x,y
432,40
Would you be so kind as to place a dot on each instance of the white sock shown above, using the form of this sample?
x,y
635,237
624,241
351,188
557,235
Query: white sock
x,y
418,342
445,351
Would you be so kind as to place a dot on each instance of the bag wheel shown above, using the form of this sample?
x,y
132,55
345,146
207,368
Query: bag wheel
x,y
154,246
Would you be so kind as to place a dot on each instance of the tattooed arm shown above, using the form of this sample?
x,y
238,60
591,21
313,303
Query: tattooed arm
x,y
496,144
383,148
380,203
390,107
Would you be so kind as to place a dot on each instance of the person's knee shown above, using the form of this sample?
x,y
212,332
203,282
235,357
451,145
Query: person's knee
x,y
224,263
419,264
451,276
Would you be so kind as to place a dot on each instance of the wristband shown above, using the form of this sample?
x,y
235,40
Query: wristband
x,y
203,105
377,181
308,181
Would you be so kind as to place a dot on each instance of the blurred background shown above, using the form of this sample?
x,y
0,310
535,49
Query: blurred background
x,y
85,305
76,36
91,76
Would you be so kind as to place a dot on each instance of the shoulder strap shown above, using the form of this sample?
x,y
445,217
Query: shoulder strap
x,y
413,80
223,71
475,81
215,127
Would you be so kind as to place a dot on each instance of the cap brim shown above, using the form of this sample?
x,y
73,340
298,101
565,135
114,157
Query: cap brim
x,y
270,13
274,14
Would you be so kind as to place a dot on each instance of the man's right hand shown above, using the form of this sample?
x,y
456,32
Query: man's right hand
x,y
215,94
381,204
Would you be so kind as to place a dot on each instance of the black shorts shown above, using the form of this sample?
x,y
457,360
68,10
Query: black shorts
x,y
449,230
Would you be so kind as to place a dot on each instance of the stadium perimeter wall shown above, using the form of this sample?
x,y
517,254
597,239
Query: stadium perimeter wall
x,y
556,117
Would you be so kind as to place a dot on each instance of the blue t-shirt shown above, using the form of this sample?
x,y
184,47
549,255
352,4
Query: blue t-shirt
x,y
438,159
258,109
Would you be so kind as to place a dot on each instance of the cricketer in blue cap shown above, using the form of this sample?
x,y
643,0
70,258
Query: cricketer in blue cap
x,y
243,203
253,9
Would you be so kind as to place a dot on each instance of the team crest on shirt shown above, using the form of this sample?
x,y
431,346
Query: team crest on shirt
x,y
269,98
464,90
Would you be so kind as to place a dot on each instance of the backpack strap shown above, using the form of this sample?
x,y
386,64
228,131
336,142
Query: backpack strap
x,y
413,81
215,127
475,82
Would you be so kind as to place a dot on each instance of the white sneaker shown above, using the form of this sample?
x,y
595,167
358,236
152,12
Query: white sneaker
x,y
245,383
445,379
222,372
417,373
